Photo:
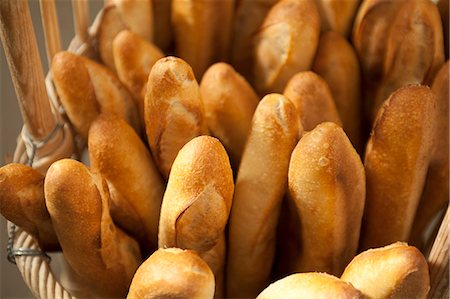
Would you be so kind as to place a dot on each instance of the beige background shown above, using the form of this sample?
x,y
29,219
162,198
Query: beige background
x,y
11,283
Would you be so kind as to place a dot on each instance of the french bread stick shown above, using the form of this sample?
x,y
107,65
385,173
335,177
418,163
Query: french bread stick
x,y
118,15
229,105
285,44
327,184
162,23
310,285
396,162
414,49
337,15
134,58
248,18
87,88
22,202
197,201
336,62
135,185
98,251
202,31
174,111
394,271
435,195
260,187
313,99
173,273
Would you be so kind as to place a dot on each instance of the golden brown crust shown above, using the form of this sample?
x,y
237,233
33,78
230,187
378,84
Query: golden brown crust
x,y
75,90
198,197
394,271
248,18
136,187
435,194
414,49
285,44
310,285
229,105
336,62
134,58
22,202
202,31
138,16
337,15
396,161
260,186
312,98
98,251
327,185
87,88
174,112
173,273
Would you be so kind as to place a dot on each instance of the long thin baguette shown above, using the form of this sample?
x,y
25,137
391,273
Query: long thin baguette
x,y
229,106
135,185
202,31
310,285
396,161
285,44
336,61
395,271
162,23
134,58
414,49
87,88
435,195
197,200
337,15
99,252
22,202
248,18
260,187
174,111
327,185
173,273
313,99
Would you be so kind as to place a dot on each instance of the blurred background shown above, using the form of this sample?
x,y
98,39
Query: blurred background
x,y
11,282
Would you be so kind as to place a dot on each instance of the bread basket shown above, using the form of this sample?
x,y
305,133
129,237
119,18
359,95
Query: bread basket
x,y
47,135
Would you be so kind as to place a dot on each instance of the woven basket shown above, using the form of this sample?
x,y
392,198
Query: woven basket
x,y
34,265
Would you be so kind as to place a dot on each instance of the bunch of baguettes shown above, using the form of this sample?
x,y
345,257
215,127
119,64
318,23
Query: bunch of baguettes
x,y
281,189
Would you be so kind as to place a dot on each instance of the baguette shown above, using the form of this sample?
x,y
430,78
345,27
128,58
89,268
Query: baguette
x,y
260,187
312,98
396,162
197,201
394,271
99,252
135,185
202,31
118,15
22,202
229,105
285,44
87,88
336,62
174,111
435,195
310,285
173,273
248,18
414,49
337,15
327,185
134,58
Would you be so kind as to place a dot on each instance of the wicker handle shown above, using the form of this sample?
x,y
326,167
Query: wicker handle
x,y
51,28
19,42
438,261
